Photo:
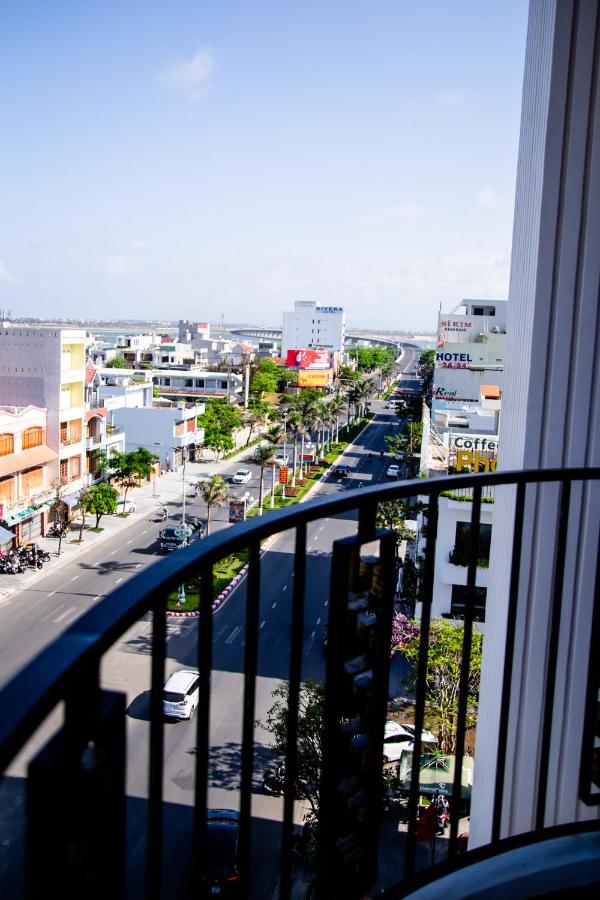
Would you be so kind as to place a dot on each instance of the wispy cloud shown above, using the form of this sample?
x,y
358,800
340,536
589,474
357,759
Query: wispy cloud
x,y
115,266
5,275
450,97
188,74
137,245
404,211
488,199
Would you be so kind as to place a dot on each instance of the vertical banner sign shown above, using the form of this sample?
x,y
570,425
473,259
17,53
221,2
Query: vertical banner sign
x,y
237,511
283,475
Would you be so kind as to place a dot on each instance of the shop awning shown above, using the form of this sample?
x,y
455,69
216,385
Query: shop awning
x,y
26,459
15,518
5,536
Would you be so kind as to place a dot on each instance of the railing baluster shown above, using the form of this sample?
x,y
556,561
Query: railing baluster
x,y
427,596
291,760
367,514
155,774
205,647
465,665
557,595
509,652
250,667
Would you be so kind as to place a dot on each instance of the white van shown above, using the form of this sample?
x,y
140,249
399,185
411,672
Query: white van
x,y
181,694
123,507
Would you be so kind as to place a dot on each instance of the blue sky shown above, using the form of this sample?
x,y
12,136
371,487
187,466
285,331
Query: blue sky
x,y
183,158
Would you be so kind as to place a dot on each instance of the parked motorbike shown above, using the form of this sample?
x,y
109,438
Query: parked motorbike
x,y
274,781
442,813
56,530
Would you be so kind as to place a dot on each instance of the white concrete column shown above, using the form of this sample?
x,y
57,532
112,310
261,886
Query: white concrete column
x,y
550,418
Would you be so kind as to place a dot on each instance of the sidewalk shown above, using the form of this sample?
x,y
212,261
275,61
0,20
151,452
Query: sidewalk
x,y
167,490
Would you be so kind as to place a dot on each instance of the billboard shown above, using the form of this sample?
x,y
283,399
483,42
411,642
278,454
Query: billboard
x,y
314,379
237,511
307,359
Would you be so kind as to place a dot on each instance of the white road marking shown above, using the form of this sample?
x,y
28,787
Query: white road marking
x,y
284,588
274,605
326,603
263,623
233,635
130,542
313,635
75,577
146,531
64,615
52,593
112,552
138,565
97,597
118,580
309,547
319,620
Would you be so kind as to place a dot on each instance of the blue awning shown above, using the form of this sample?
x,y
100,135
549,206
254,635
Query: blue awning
x,y
5,535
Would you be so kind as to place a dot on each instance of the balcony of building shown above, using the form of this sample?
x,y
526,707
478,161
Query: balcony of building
x,y
129,792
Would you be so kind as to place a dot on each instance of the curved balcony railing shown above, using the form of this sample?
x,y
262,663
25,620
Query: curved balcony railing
x,y
77,828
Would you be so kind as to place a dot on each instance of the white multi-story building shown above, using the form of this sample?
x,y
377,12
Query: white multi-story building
x,y
168,432
310,326
46,367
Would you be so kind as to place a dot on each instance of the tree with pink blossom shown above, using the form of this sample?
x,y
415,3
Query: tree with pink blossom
x,y
404,632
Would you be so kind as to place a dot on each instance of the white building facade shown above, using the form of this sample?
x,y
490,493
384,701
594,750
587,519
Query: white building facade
x,y
310,326
46,367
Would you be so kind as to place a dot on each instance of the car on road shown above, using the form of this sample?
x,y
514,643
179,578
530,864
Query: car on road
x,y
181,694
393,471
174,537
219,875
124,508
340,471
242,476
398,738
281,458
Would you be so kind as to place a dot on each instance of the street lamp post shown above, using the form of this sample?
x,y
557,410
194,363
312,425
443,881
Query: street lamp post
x,y
184,452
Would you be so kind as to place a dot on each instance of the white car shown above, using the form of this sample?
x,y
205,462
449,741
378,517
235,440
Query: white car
x,y
123,507
281,458
242,476
393,471
398,738
181,694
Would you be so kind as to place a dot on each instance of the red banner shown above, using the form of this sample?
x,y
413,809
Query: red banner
x,y
283,475
307,359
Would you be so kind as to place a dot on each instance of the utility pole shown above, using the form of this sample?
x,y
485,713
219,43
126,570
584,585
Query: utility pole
x,y
185,449
246,386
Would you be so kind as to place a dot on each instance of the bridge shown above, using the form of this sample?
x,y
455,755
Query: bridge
x,y
374,337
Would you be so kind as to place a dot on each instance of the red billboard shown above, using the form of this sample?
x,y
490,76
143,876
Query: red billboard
x,y
307,359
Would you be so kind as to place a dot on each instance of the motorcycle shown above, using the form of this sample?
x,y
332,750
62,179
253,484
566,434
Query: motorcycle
x,y
164,514
274,781
442,814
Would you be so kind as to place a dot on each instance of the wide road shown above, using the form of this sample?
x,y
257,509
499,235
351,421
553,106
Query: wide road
x,y
127,668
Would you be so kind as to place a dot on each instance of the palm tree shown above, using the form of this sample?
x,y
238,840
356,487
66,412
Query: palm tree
x,y
273,436
263,457
337,407
214,493
296,426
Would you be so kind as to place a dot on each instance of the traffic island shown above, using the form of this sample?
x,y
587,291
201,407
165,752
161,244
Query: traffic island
x,y
226,574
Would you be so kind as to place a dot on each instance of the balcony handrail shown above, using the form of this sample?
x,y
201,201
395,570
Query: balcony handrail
x,y
96,631
53,675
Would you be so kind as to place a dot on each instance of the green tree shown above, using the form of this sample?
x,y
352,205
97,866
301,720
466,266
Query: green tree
x,y
443,676
219,421
214,493
263,457
119,362
309,741
392,515
100,499
127,469
426,367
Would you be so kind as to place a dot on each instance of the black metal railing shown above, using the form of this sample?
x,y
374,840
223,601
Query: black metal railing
x,y
79,771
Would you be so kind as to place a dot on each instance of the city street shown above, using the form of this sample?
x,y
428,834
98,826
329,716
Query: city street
x,y
37,615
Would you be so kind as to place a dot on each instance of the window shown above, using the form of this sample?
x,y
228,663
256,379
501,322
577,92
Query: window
x,y
32,480
7,444
458,602
32,437
224,385
459,555
64,470
166,382
189,382
63,432
75,467
199,382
